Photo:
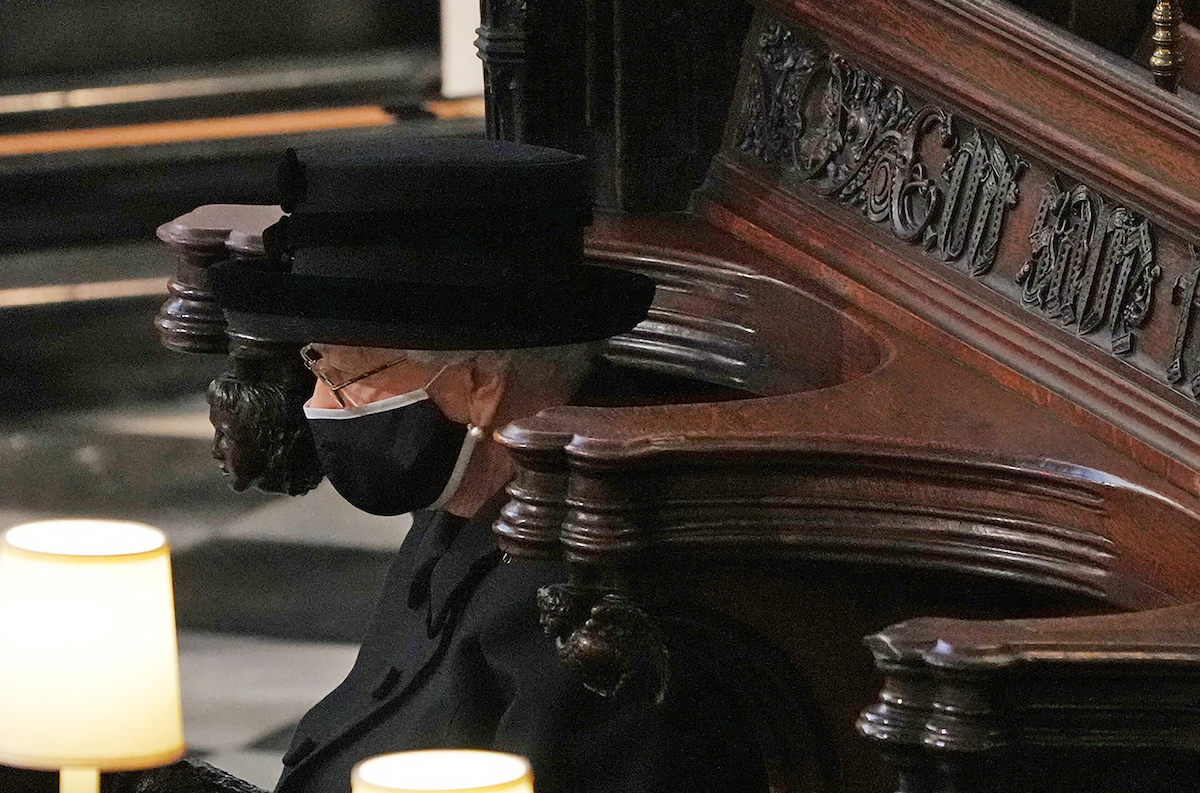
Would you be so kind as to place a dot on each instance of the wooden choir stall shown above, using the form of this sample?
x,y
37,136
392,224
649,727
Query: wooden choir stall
x,y
922,475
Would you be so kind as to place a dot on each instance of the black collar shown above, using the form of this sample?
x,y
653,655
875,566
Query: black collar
x,y
452,555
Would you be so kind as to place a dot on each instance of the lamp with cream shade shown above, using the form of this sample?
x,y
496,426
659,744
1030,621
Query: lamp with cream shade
x,y
89,662
443,771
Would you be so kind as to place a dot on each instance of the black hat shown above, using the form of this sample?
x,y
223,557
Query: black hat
x,y
431,244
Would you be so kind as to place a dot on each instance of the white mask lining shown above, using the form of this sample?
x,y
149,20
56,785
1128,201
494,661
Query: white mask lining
x,y
460,467
379,406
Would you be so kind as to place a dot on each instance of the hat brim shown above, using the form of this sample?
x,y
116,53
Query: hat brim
x,y
595,302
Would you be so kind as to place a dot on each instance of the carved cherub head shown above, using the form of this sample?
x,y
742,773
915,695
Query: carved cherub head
x,y
261,438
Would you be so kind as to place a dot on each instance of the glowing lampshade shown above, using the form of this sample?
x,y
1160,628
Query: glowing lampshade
x,y
443,771
89,665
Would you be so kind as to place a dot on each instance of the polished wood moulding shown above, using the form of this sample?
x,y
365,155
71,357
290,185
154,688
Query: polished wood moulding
x,y
948,255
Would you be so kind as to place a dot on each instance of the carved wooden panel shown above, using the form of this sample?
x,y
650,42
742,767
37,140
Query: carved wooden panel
x,y
856,137
1040,273
849,134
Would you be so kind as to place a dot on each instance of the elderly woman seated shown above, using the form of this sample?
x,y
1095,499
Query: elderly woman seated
x,y
441,292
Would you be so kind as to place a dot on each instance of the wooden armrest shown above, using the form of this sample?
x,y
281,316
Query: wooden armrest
x,y
891,453
961,694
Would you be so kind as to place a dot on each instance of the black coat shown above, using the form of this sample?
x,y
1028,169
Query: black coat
x,y
454,657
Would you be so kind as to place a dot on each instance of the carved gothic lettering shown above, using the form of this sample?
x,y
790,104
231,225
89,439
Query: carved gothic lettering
x,y
1092,265
1139,274
851,135
775,124
829,127
981,181
1186,357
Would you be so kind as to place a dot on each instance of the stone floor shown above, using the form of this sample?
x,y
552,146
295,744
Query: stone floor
x,y
271,592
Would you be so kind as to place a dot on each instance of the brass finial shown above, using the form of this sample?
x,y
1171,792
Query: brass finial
x,y
1167,61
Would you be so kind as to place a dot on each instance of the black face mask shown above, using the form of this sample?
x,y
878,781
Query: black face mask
x,y
392,456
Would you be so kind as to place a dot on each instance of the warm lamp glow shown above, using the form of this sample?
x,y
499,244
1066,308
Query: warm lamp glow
x,y
89,665
443,771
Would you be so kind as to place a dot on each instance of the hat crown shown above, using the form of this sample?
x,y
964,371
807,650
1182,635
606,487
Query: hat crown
x,y
441,174
461,211
434,244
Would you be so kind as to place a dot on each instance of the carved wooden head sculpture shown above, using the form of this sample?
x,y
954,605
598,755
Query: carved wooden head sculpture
x,y
261,438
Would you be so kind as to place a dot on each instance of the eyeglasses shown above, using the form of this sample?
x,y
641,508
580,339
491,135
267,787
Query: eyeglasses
x,y
317,365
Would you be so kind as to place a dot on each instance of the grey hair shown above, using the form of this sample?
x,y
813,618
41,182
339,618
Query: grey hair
x,y
568,364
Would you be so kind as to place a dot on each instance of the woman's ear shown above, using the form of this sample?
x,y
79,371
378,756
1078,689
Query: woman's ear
x,y
488,382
